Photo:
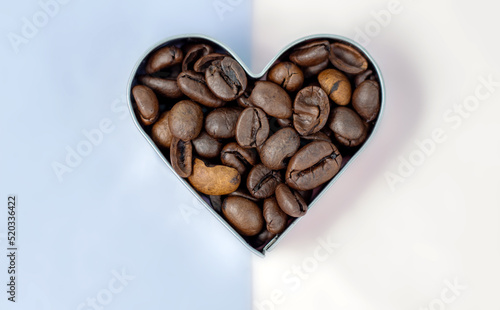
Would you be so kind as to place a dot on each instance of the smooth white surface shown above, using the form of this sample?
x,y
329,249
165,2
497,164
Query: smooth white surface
x,y
116,229
400,247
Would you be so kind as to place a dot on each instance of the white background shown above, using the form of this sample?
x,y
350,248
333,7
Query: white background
x,y
399,246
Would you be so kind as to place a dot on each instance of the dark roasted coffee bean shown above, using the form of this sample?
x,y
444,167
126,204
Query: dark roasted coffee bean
x,y
315,70
226,79
147,104
185,120
363,76
347,126
313,165
366,100
181,157
243,192
346,58
216,202
279,147
252,128
207,146
262,181
290,201
202,64
244,215
284,122
336,86
311,108
160,133
170,73
163,58
221,122
214,179
165,87
233,155
311,54
194,53
261,239
276,219
317,136
271,98
287,75
194,86
243,100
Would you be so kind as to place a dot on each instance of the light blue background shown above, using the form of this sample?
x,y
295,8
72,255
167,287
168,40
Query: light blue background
x,y
120,209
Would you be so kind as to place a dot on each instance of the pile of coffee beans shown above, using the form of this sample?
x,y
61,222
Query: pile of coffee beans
x,y
257,150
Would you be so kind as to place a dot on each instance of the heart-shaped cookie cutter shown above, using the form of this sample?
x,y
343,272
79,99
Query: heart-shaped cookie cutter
x,y
182,39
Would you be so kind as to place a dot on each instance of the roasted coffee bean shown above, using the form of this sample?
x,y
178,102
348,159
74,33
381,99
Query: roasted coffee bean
x,y
194,53
347,126
284,122
287,75
160,133
252,128
202,64
206,146
244,215
290,201
346,58
221,122
366,100
363,76
279,147
276,219
243,192
194,86
214,180
317,136
262,181
185,120
165,87
271,98
313,165
147,104
311,54
311,108
233,155
226,79
261,239
163,58
216,202
244,101
336,86
181,157
315,70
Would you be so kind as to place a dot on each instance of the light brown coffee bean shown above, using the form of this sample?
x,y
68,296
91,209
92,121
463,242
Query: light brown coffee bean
x,y
336,85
